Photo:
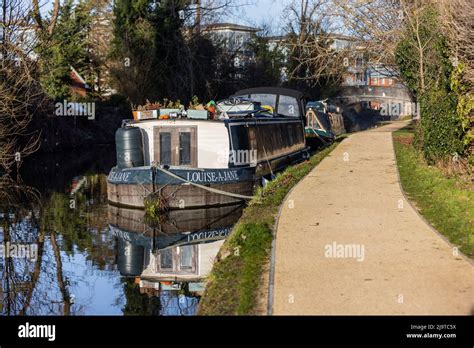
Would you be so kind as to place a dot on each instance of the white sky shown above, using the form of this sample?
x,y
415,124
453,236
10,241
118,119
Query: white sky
x,y
256,12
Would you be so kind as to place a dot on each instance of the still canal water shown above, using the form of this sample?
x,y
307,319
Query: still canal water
x,y
96,259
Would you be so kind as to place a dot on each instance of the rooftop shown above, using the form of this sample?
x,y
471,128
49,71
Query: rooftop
x,y
230,26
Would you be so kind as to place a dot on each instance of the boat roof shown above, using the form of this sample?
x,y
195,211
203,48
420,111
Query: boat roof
x,y
270,90
247,92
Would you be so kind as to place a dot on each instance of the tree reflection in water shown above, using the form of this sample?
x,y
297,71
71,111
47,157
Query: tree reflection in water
x,y
93,258
61,226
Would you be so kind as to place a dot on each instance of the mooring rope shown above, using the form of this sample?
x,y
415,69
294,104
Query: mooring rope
x,y
210,189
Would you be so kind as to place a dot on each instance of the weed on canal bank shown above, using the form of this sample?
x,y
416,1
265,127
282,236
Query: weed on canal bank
x,y
235,284
447,203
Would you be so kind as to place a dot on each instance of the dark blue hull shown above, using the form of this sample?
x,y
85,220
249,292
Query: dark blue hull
x,y
180,188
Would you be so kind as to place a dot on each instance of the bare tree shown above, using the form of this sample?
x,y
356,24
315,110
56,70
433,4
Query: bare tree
x,y
203,12
458,22
13,192
376,25
380,25
42,27
19,90
99,40
309,40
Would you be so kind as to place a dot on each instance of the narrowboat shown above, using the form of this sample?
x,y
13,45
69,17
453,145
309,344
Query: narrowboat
x,y
192,159
323,123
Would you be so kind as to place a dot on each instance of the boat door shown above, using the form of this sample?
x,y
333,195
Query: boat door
x,y
175,146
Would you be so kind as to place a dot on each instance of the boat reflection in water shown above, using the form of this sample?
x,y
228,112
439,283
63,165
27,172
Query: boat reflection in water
x,y
170,259
94,259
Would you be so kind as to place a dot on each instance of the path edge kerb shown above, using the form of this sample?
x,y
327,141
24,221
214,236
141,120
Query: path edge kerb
x,y
271,277
427,223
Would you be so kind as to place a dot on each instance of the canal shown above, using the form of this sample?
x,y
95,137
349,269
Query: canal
x,y
87,257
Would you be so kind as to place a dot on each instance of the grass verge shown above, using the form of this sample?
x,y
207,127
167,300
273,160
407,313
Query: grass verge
x,y
234,283
447,203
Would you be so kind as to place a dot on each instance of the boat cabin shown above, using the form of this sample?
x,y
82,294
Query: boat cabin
x,y
251,135
254,126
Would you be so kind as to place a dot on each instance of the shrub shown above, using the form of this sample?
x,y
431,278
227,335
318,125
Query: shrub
x,y
441,130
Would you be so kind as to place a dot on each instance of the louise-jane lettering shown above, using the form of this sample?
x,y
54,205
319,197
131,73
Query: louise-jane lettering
x,y
223,176
220,233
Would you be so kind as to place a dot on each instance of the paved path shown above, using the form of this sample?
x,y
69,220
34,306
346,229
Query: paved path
x,y
407,268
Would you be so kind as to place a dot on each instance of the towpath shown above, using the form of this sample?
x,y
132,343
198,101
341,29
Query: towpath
x,y
348,243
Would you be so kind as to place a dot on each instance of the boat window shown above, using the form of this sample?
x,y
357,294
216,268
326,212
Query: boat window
x,y
240,139
316,106
288,106
184,148
186,257
265,99
166,259
165,148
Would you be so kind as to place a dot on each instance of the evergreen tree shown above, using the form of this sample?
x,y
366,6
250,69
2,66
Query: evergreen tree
x,y
66,48
147,40
267,66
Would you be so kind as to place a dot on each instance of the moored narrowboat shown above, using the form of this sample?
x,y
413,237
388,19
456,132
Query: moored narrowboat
x,y
187,160
323,123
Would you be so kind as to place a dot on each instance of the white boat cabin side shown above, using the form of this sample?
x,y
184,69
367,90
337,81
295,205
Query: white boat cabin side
x,y
185,143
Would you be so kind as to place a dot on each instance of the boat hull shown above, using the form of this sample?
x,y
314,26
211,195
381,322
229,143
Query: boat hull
x,y
129,187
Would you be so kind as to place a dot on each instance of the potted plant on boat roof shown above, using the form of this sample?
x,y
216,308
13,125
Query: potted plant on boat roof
x,y
197,110
164,110
170,109
145,112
